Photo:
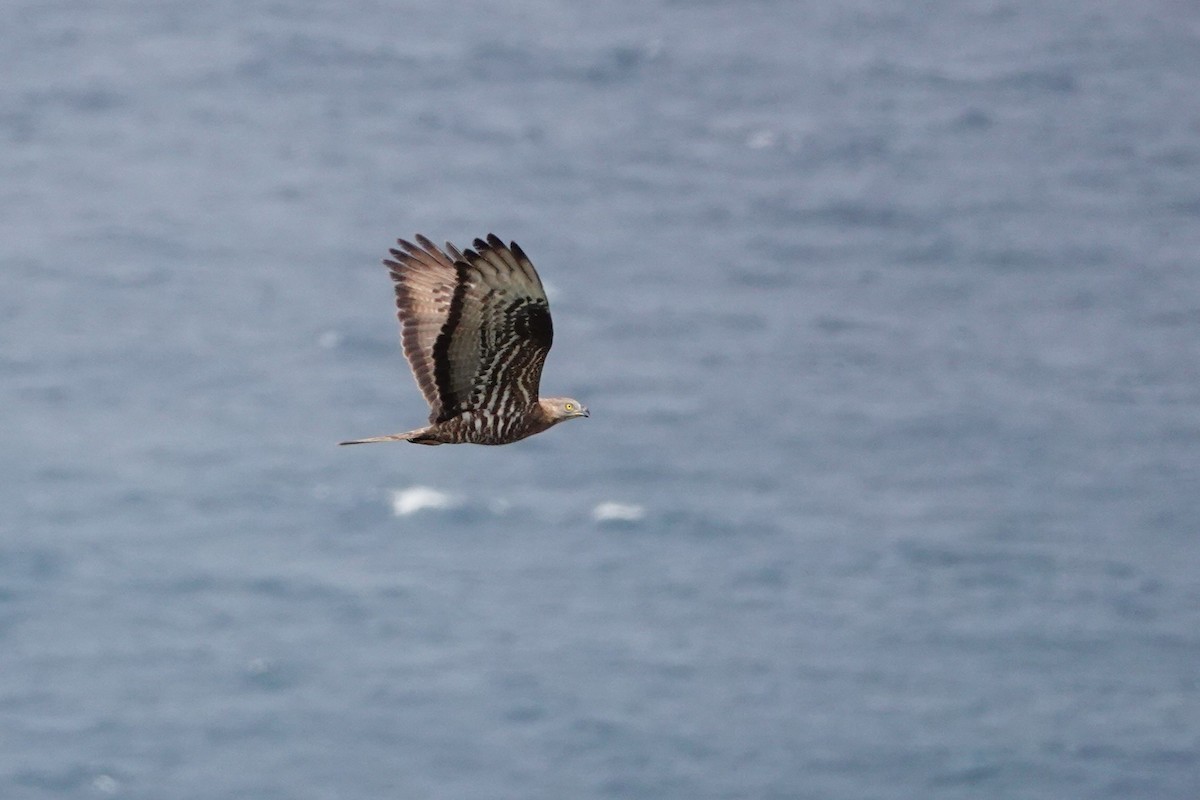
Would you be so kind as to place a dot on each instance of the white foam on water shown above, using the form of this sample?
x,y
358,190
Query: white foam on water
x,y
420,498
106,784
618,512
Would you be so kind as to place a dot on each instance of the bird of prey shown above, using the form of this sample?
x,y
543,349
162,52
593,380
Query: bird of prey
x,y
475,326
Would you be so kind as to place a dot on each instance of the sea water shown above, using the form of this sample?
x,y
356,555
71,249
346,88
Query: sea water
x,y
887,316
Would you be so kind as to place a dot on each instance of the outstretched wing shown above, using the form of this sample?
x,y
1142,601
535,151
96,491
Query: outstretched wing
x,y
491,349
425,279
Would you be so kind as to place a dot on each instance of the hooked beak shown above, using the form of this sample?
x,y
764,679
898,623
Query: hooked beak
x,y
583,412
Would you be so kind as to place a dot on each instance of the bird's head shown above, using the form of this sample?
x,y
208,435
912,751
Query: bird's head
x,y
560,408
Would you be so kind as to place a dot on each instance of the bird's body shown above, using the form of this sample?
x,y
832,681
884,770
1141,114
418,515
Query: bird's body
x,y
475,325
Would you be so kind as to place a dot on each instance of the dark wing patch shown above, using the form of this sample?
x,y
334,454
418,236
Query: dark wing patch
x,y
452,364
532,322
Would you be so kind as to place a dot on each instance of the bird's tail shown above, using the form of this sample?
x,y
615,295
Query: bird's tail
x,y
408,436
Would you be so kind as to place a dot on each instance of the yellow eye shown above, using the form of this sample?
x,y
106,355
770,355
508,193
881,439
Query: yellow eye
x,y
569,406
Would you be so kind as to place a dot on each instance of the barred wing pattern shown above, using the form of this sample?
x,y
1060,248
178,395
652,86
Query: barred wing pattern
x,y
425,279
475,326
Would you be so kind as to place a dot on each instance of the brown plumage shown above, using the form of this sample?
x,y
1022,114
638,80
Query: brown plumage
x,y
475,326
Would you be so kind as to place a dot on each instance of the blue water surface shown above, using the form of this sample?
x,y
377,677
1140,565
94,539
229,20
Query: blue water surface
x,y
887,315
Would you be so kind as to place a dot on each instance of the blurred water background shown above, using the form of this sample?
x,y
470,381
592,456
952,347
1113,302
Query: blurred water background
x,y
888,316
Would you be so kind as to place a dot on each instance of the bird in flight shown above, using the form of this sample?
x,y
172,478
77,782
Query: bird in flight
x,y
475,326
